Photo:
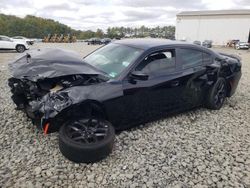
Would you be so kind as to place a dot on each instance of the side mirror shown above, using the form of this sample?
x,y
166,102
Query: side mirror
x,y
138,75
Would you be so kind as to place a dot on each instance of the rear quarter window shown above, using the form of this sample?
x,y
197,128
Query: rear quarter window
x,y
207,58
190,57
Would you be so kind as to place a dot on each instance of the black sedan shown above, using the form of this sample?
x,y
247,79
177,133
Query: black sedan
x,y
207,43
106,41
120,85
94,41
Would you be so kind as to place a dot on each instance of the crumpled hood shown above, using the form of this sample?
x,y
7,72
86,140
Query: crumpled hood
x,y
50,63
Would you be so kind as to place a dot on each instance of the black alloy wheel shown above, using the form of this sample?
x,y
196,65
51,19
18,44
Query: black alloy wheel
x,y
86,140
217,94
220,94
87,131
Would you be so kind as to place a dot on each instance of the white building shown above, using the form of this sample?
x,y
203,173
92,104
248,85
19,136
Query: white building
x,y
218,26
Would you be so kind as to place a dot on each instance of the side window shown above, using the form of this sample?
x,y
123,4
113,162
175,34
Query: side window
x,y
1,39
190,58
158,63
207,58
5,39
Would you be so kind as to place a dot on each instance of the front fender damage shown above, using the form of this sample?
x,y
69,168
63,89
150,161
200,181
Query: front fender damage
x,y
56,104
44,110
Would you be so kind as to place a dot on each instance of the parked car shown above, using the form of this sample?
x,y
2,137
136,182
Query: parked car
x,y
118,86
20,38
106,41
232,43
207,43
242,45
197,42
94,41
7,43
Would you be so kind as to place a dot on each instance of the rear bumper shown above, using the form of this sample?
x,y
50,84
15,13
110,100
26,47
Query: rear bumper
x,y
243,47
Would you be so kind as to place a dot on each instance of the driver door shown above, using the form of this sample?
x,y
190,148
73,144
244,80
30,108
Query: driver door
x,y
160,94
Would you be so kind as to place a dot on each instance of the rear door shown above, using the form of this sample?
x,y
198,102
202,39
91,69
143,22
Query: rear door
x,y
193,64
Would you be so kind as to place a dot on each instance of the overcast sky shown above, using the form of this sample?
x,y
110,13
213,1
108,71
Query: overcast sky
x,y
92,14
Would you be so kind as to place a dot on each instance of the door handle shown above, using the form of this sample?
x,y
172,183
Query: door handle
x,y
175,83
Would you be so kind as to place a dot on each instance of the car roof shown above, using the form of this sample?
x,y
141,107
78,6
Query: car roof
x,y
146,44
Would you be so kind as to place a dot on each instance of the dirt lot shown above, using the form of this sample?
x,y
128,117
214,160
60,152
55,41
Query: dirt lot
x,y
200,148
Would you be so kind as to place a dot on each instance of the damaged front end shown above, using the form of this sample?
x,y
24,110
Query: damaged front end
x,y
39,82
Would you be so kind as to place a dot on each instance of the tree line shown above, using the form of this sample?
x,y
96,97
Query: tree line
x,y
36,27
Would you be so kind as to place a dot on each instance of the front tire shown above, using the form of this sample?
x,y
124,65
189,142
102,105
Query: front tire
x,y
217,94
20,48
86,140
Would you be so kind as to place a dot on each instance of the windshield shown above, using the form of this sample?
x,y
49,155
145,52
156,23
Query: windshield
x,y
113,58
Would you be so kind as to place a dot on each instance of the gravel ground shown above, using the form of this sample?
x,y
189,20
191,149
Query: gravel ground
x,y
199,148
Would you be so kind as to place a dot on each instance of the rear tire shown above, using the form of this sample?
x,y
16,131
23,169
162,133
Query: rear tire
x,y
217,94
82,142
20,48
